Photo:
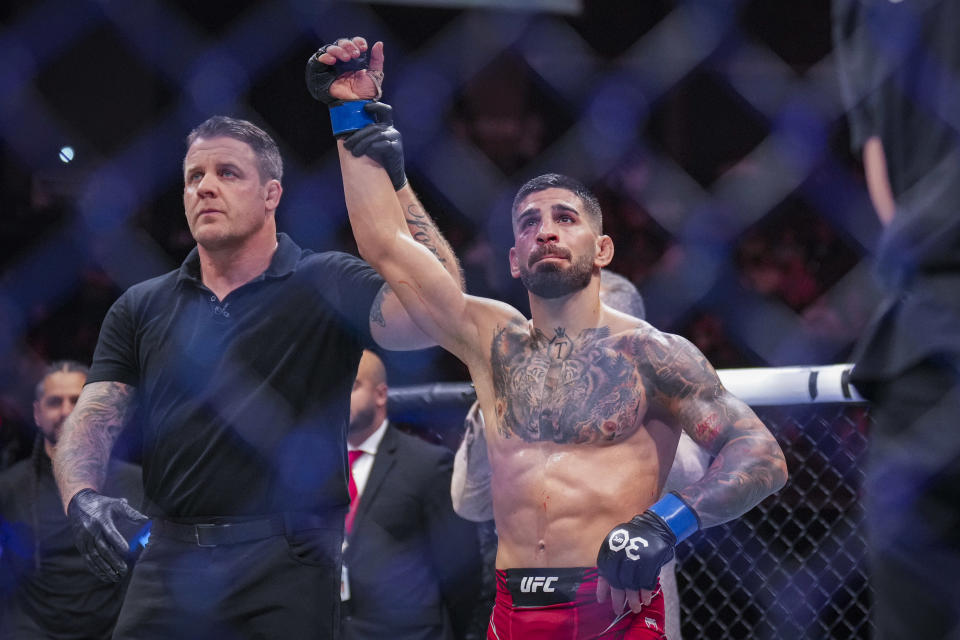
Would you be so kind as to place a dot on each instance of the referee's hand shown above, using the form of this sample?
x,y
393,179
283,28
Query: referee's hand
x,y
96,520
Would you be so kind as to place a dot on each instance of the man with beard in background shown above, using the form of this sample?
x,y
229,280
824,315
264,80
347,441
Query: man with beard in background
x,y
52,593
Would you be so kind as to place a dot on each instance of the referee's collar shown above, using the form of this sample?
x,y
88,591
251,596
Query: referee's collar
x,y
283,262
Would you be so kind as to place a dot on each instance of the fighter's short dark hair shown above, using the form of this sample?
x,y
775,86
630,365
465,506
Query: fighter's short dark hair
x,y
560,181
269,162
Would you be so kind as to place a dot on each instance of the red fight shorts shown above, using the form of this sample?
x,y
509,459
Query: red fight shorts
x,y
562,603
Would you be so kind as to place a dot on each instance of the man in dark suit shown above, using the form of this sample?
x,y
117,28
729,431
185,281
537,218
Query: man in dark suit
x,y
411,565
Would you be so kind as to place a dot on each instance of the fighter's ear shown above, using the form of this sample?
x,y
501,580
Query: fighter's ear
x,y
604,251
514,263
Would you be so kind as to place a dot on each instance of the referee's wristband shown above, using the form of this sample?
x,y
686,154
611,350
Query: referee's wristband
x,y
349,116
681,519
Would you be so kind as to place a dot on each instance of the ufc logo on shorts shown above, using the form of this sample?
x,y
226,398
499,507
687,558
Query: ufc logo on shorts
x,y
530,584
620,540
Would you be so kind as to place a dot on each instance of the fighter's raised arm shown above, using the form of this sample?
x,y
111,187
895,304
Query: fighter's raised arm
x,y
347,76
398,241
427,291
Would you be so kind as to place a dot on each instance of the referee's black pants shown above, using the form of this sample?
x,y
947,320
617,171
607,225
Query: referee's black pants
x,y
285,586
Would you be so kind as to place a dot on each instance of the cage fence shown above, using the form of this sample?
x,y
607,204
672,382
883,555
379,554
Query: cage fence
x,y
795,566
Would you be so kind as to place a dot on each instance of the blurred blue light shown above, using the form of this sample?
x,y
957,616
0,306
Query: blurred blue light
x,y
108,200
18,70
66,154
217,82
614,117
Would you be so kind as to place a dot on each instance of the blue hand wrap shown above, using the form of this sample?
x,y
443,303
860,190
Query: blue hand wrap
x,y
681,519
350,116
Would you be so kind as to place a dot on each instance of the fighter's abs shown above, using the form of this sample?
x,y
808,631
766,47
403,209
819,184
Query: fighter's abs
x,y
567,390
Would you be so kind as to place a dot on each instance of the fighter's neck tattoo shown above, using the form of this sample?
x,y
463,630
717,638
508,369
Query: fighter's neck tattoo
x,y
562,389
559,344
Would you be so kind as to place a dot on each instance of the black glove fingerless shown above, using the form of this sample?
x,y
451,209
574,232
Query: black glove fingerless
x,y
320,76
345,116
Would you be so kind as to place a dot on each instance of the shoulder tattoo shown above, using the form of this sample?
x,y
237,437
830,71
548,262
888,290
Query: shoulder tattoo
x,y
376,309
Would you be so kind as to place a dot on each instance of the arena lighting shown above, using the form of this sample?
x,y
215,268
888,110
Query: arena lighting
x,y
66,154
568,7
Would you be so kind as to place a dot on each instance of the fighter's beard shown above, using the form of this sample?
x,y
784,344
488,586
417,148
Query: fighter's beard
x,y
550,280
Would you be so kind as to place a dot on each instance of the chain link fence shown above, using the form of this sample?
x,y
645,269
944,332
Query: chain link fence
x,y
795,566
713,134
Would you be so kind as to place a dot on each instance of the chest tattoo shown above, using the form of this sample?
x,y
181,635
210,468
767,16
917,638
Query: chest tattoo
x,y
561,389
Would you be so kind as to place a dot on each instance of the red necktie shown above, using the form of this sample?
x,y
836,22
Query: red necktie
x,y
352,488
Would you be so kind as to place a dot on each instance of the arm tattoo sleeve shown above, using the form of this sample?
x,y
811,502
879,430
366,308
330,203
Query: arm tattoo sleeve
x,y
81,455
748,464
425,231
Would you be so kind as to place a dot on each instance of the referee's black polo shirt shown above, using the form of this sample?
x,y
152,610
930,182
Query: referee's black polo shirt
x,y
246,399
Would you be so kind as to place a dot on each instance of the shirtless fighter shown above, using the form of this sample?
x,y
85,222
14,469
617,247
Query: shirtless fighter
x,y
585,404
